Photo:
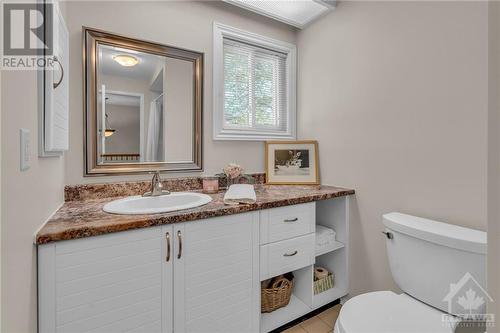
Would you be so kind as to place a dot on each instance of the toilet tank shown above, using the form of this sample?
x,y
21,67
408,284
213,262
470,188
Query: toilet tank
x,y
437,263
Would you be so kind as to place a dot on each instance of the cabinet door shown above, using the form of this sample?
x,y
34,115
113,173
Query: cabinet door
x,y
216,275
111,283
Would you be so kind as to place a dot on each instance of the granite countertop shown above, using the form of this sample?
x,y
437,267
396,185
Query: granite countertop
x,y
85,218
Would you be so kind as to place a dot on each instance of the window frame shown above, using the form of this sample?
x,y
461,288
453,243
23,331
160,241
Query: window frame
x,y
221,31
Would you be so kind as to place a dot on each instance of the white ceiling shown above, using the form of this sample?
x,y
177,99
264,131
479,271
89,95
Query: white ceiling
x,y
149,64
297,13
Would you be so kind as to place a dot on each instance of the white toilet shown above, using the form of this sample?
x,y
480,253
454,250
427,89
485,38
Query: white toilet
x,y
425,258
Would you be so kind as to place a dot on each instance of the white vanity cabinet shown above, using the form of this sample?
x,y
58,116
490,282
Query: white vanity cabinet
x,y
189,277
216,279
106,283
198,276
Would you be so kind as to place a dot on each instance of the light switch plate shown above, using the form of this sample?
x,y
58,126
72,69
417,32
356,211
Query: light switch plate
x,y
25,148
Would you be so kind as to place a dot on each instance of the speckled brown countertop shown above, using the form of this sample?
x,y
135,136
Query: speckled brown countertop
x,y
85,218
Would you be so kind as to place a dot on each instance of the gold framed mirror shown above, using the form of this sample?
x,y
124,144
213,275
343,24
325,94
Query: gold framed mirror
x,y
143,105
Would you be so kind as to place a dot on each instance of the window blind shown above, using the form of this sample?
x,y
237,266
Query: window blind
x,y
255,87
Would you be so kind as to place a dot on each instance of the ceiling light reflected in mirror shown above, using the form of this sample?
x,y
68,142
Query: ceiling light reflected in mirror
x,y
126,60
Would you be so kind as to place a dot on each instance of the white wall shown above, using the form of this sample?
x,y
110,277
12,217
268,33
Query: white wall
x,y
185,24
28,199
494,163
396,94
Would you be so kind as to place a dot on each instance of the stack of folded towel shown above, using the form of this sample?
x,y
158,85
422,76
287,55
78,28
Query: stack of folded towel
x,y
240,194
325,237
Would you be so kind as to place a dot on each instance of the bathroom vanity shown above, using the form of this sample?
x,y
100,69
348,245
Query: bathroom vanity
x,y
196,270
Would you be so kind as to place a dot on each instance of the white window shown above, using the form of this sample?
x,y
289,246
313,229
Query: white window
x,y
254,86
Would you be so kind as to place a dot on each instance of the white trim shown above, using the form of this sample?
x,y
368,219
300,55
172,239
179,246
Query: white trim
x,y
220,31
142,123
102,133
255,271
45,265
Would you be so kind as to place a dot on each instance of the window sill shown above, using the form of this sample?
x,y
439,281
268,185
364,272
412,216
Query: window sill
x,y
252,136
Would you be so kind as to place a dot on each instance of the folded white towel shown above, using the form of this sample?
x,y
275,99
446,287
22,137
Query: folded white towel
x,y
324,237
323,232
240,193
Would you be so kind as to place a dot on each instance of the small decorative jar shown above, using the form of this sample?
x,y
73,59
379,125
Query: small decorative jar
x,y
210,184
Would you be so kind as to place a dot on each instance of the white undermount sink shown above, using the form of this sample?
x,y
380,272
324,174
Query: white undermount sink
x,y
153,205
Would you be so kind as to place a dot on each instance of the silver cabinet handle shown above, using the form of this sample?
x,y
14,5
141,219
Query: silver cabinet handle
x,y
56,84
179,237
290,254
291,220
167,235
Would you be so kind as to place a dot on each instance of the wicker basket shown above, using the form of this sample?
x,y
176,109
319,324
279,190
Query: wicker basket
x,y
323,284
276,293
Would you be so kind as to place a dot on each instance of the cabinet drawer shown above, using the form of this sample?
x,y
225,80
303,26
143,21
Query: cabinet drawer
x,y
287,222
285,256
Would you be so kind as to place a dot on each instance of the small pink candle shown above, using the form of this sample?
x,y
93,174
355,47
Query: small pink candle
x,y
211,184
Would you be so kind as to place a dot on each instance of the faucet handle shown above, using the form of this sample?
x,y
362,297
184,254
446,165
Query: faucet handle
x,y
157,177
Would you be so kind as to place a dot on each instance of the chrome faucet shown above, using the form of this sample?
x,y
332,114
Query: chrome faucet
x,y
156,186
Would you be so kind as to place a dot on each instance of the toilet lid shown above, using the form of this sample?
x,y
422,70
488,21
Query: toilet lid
x,y
387,312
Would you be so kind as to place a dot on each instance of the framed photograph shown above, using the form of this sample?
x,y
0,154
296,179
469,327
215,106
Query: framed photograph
x,y
292,162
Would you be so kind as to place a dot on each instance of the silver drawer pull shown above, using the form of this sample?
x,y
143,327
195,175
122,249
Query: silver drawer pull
x,y
291,254
179,237
56,84
167,235
291,220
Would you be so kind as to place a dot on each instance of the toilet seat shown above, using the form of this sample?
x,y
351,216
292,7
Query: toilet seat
x,y
387,312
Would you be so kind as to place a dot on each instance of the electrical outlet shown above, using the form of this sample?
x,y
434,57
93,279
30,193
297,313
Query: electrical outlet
x,y
25,148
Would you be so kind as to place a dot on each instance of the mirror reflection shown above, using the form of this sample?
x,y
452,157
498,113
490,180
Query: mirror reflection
x,y
145,107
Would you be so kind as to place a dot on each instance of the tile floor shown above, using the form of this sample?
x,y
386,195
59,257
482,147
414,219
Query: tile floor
x,y
321,323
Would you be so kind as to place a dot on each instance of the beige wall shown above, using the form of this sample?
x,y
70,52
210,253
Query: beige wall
x,y
126,121
494,163
33,195
128,85
180,23
1,219
28,199
178,110
396,94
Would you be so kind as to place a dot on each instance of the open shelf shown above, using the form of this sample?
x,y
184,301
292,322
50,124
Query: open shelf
x,y
332,214
332,247
295,309
327,296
